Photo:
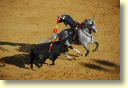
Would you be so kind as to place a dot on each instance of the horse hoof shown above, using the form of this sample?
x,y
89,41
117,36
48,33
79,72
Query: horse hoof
x,y
82,54
94,50
74,58
52,64
70,58
86,54
79,54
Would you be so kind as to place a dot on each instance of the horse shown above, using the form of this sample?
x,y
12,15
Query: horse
x,y
84,35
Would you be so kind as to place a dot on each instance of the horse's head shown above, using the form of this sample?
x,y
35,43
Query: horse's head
x,y
89,23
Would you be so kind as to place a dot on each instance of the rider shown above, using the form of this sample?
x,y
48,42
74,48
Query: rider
x,y
72,33
68,20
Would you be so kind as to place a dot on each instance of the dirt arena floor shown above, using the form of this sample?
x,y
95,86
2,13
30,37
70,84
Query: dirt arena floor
x,y
27,22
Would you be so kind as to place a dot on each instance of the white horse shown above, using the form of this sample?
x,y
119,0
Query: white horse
x,y
85,34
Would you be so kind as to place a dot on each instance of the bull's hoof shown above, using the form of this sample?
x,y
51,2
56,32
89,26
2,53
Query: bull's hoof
x,y
31,68
3,64
39,65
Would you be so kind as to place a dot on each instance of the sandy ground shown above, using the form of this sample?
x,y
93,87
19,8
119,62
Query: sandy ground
x,y
27,22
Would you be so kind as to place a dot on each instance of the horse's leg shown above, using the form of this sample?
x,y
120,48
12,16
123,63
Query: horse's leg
x,y
77,51
70,46
85,46
69,57
97,45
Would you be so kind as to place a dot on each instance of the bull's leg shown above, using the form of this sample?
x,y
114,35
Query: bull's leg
x,y
54,57
41,61
97,45
32,56
2,62
53,62
32,60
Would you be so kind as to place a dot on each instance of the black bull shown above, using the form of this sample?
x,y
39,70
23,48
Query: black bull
x,y
40,53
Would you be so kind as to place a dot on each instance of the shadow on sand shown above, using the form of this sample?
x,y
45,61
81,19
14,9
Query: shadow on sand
x,y
93,66
100,65
18,60
22,46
